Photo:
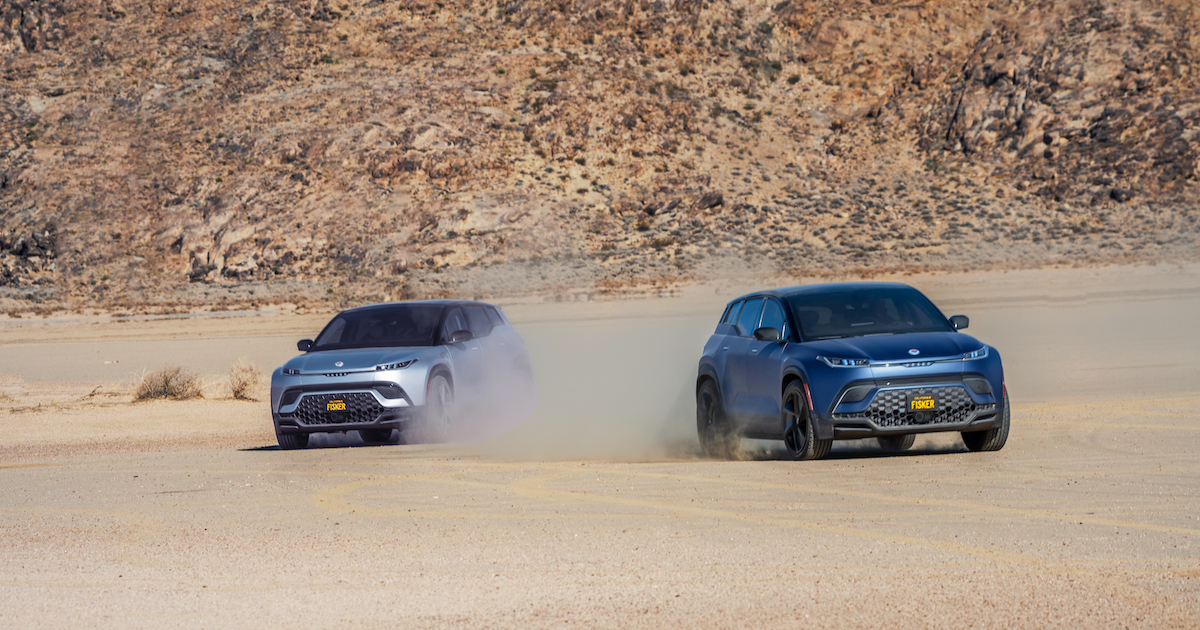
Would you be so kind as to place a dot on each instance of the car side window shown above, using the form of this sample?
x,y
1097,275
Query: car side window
x,y
455,321
494,316
732,315
773,317
747,321
480,325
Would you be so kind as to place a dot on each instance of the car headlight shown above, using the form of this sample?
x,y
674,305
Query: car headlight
x,y
976,354
841,362
395,366
290,372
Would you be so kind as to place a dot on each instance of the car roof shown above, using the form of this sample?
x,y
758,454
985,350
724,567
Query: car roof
x,y
816,289
443,303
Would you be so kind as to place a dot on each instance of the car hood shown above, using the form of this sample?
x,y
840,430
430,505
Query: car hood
x,y
932,345
356,360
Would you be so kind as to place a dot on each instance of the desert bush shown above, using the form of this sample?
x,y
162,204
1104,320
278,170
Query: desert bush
x,y
243,379
172,381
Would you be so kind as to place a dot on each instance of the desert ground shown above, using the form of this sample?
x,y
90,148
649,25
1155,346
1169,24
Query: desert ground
x,y
599,510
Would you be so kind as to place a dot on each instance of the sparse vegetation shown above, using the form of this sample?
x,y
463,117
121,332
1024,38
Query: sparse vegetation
x,y
243,379
172,382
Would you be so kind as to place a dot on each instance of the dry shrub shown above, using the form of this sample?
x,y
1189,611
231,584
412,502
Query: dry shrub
x,y
172,381
243,379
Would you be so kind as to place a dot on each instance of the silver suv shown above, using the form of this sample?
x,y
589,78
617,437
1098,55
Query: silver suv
x,y
436,370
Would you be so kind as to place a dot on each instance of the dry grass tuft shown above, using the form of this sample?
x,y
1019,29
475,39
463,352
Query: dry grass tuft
x,y
243,379
172,381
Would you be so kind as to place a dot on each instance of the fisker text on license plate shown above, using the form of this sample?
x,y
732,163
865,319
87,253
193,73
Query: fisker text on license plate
x,y
335,405
921,402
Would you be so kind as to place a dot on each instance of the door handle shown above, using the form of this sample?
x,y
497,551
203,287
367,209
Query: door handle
x,y
725,348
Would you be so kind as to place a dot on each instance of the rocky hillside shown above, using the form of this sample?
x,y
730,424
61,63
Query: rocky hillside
x,y
177,154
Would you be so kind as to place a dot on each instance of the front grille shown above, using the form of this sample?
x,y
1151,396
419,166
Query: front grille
x,y
890,407
361,408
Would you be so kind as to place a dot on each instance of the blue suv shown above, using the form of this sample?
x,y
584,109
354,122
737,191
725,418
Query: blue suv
x,y
817,363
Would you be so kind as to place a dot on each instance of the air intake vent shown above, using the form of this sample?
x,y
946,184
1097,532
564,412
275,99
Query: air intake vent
x,y
953,404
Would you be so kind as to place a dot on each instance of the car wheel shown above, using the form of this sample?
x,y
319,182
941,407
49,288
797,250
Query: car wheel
x,y
992,439
799,438
439,409
716,435
291,441
897,442
375,436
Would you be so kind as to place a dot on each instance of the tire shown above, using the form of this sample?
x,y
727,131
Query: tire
x,y
992,439
896,443
439,410
375,436
799,436
292,441
717,438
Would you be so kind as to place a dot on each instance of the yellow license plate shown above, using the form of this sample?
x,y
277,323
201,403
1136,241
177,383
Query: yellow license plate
x,y
335,405
922,403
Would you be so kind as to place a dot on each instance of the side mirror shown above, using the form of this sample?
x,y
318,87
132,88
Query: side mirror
x,y
959,321
767,333
303,345
461,335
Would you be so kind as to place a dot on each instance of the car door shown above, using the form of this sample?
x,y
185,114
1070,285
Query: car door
x,y
738,379
465,356
717,347
764,364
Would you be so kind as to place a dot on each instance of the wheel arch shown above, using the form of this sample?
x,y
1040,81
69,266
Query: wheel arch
x,y
443,370
708,373
794,374
791,375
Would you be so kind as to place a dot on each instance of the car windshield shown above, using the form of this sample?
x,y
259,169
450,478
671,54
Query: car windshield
x,y
387,326
860,312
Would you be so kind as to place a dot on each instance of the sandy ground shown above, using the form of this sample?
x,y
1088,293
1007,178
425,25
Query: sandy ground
x,y
597,511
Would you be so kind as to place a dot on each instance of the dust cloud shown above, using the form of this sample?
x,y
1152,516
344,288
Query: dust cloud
x,y
497,396
618,388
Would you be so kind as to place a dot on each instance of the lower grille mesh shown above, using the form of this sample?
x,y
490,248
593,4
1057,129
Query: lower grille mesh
x,y
361,407
890,407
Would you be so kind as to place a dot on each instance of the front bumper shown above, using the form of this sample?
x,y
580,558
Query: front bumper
x,y
884,410
345,408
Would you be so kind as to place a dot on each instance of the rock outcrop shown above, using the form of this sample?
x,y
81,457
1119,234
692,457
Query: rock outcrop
x,y
193,152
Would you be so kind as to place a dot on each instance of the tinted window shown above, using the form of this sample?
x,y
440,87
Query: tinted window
x,y
747,321
773,317
333,332
480,325
731,315
381,327
857,312
494,316
455,321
